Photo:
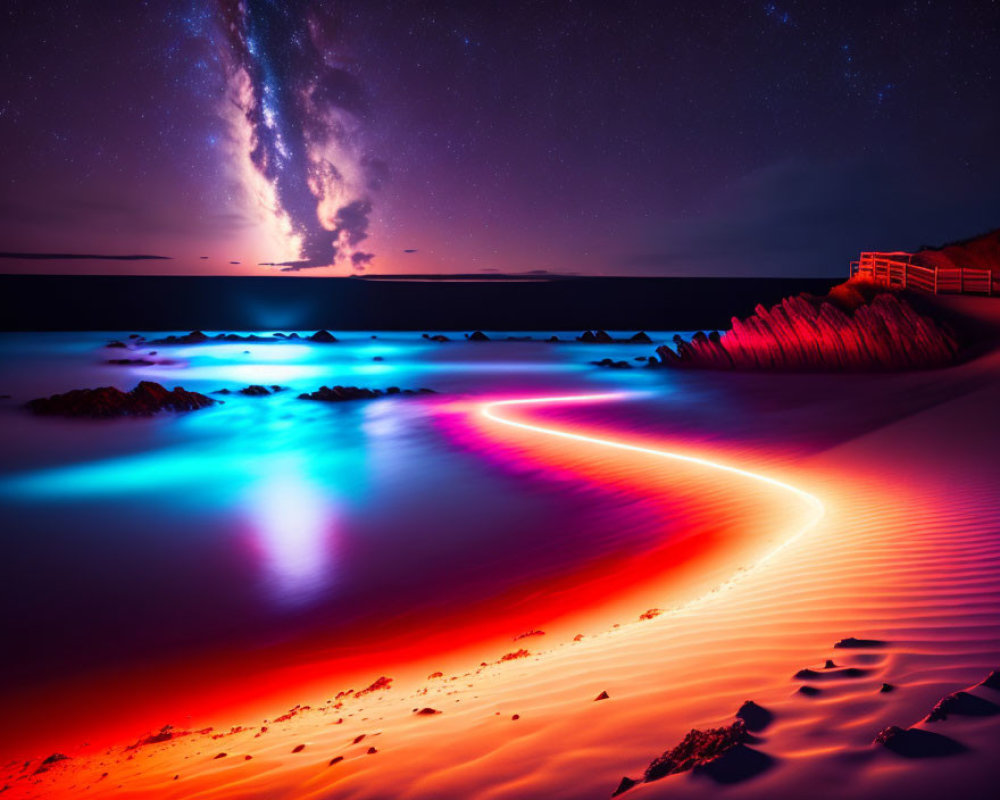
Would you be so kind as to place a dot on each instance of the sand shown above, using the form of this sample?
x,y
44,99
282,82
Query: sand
x,y
906,552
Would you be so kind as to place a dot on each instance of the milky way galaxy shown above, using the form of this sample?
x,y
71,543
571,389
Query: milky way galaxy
x,y
297,115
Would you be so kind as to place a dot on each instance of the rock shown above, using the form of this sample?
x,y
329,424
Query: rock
x,y
255,390
626,784
587,336
194,337
323,337
721,753
809,691
220,755
51,761
828,673
886,688
992,681
829,664
371,751
144,400
852,643
165,734
602,337
340,394
298,748
378,685
426,712
875,331
439,338
335,760
553,339
917,743
377,358
737,764
608,362
515,716
515,655
116,344
641,338
602,696
755,717
130,362
962,704
478,336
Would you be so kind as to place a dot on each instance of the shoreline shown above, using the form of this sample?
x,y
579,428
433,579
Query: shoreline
x,y
905,501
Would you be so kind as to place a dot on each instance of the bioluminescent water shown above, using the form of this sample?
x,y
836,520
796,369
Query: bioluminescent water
x,y
267,518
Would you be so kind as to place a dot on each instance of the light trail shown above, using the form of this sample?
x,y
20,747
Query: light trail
x,y
813,503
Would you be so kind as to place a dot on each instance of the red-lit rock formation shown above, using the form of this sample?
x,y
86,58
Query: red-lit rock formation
x,y
853,328
144,400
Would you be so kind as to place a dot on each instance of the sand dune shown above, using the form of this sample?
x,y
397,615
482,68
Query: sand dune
x,y
907,553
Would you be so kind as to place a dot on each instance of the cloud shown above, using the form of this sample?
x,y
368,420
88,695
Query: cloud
x,y
78,256
298,116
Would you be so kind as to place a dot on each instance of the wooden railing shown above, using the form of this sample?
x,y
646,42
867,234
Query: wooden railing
x,y
896,270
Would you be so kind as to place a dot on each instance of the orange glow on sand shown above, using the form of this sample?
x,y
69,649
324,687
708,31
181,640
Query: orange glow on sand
x,y
523,723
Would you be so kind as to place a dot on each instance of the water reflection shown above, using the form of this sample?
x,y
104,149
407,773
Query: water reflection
x,y
293,529
274,514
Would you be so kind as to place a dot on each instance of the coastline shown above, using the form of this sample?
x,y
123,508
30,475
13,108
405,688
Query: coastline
x,y
906,499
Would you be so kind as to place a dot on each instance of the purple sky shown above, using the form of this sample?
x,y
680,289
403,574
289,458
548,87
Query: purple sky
x,y
714,138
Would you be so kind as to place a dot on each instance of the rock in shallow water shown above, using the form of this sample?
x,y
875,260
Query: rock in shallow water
x,y
340,394
107,402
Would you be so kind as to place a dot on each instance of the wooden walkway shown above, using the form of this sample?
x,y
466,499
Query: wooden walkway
x,y
896,271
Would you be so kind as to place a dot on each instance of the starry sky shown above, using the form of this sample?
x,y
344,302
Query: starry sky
x,y
639,137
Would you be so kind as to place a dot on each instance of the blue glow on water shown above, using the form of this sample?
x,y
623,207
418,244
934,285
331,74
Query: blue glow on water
x,y
273,508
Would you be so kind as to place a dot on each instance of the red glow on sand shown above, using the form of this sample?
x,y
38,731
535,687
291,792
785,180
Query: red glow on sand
x,y
590,594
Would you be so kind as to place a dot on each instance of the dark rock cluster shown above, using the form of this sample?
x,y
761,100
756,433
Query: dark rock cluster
x,y
339,394
198,337
144,400
603,337
722,754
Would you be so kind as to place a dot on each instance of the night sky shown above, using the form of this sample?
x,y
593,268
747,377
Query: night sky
x,y
619,138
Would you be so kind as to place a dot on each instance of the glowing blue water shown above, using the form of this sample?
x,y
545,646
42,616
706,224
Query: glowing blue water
x,y
264,516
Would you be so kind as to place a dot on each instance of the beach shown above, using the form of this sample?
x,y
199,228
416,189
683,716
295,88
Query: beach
x,y
806,510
